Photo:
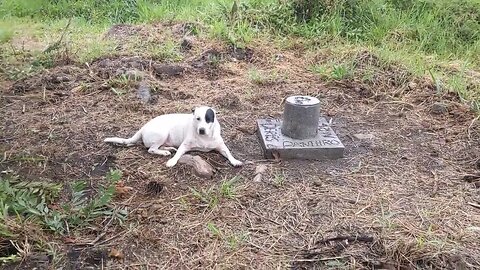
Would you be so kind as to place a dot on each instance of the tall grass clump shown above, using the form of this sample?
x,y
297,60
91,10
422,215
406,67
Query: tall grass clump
x,y
446,28
435,31
96,11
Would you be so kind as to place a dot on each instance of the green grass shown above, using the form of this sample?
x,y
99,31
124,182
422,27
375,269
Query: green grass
x,y
255,76
209,197
33,200
260,77
232,240
332,71
227,188
279,180
447,28
40,45
214,230
91,10
212,196
169,51
6,34
25,206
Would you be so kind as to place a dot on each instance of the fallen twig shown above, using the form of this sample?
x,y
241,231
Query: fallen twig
x,y
259,172
57,44
348,238
476,205
320,259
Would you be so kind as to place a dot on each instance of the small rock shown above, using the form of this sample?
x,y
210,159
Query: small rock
x,y
412,85
169,70
260,169
60,78
258,178
439,108
363,136
242,53
104,63
143,93
201,168
136,63
317,183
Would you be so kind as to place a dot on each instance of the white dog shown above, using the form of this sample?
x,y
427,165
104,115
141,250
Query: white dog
x,y
199,131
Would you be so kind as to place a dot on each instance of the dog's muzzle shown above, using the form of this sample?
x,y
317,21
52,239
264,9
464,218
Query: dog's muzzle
x,y
201,131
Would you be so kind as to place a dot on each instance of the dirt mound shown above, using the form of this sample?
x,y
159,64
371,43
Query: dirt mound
x,y
59,78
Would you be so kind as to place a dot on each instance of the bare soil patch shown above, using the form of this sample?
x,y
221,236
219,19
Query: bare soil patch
x,y
397,200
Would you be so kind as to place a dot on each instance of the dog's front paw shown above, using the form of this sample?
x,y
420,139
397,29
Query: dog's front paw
x,y
236,163
171,162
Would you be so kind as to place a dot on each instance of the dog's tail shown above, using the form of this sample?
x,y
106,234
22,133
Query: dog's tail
x,y
131,141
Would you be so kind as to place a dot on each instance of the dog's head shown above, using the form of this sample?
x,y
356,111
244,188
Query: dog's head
x,y
204,120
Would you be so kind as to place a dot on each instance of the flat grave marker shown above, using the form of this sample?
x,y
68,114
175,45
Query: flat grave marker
x,y
310,136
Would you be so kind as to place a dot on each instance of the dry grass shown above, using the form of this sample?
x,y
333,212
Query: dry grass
x,y
395,201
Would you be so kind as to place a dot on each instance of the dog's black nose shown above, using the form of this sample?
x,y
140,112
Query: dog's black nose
x,y
201,131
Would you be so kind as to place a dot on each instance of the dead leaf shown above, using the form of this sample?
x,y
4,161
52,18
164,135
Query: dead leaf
x,y
276,155
115,253
259,172
121,189
69,240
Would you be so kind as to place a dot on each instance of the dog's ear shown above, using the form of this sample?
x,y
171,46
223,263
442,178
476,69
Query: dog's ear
x,y
193,110
210,115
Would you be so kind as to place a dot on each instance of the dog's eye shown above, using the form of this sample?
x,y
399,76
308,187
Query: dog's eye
x,y
198,118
